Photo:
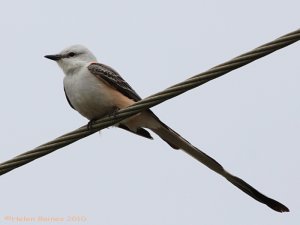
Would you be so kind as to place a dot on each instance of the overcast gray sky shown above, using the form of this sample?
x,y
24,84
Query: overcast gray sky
x,y
248,120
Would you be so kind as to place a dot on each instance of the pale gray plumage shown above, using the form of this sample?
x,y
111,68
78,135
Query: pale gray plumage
x,y
95,90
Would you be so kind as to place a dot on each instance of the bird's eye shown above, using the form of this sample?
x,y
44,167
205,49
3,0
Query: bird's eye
x,y
71,54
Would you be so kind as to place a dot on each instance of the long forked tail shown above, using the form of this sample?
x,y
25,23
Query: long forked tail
x,y
178,142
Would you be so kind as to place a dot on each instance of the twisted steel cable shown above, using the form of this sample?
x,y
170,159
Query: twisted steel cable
x,y
150,101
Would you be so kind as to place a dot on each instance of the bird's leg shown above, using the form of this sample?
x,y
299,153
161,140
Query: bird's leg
x,y
114,111
90,124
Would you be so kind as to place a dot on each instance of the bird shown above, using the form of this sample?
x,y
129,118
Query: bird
x,y
96,90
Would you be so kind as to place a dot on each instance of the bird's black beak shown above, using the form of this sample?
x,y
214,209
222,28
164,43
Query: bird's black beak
x,y
53,57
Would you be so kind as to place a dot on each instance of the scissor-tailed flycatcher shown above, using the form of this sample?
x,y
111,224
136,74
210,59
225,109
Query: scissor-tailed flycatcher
x,y
96,90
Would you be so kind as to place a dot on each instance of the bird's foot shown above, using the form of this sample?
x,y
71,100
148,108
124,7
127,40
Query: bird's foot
x,y
91,123
114,111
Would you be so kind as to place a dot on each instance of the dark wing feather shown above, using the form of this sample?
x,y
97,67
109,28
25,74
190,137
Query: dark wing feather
x,y
140,131
68,99
114,79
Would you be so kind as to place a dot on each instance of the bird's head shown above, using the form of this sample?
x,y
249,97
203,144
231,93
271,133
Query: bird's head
x,y
72,58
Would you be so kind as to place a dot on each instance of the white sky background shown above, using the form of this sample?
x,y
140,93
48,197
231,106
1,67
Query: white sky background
x,y
248,120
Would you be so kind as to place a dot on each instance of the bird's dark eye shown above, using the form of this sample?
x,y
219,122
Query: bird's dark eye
x,y
71,54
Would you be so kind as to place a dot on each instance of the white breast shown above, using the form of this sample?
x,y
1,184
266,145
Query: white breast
x,y
88,95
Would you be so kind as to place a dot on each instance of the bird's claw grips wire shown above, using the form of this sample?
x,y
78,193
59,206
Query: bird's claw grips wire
x,y
150,101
